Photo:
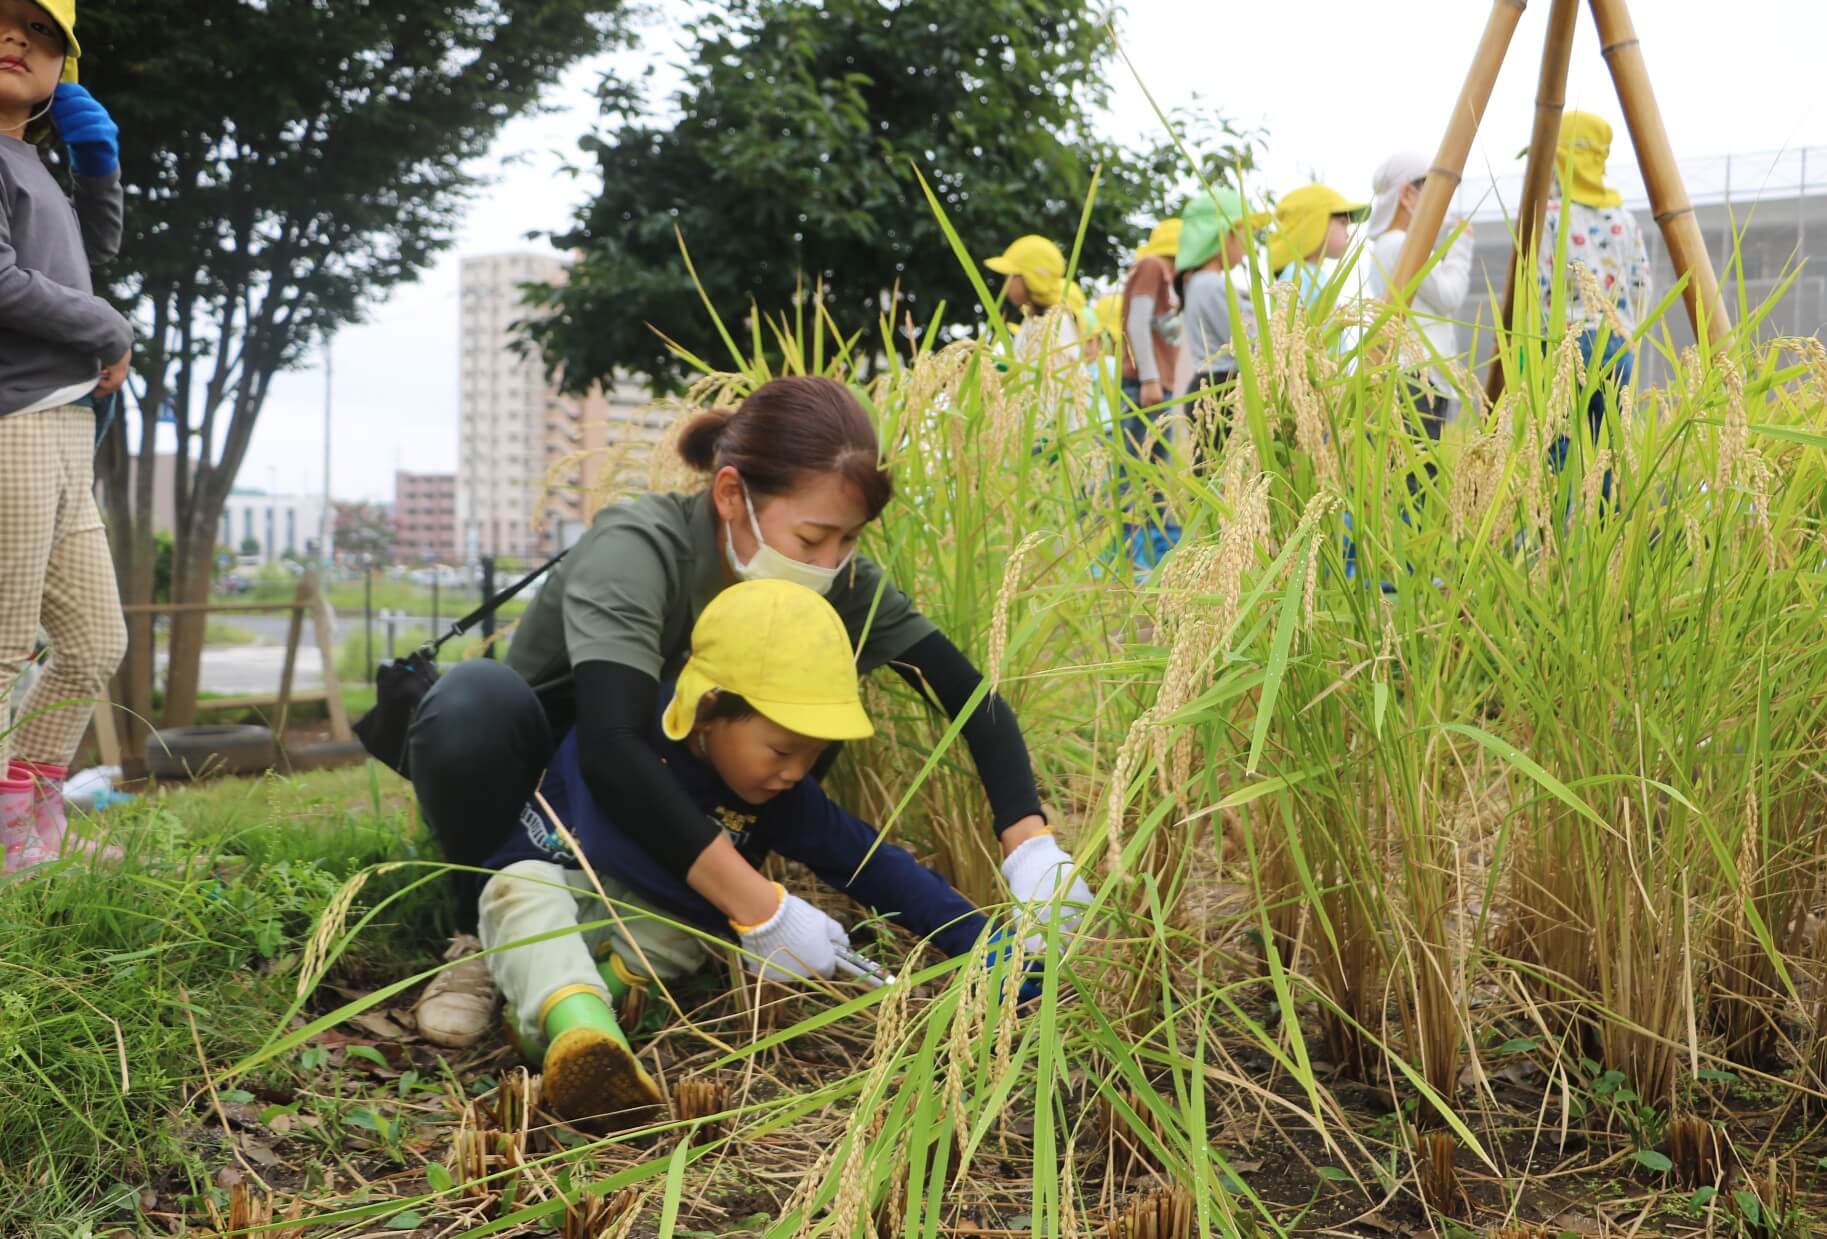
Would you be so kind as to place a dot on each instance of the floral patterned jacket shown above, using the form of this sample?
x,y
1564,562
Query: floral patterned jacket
x,y
1609,243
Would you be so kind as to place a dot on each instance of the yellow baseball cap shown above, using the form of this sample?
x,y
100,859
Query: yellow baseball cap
x,y
1300,221
63,12
1163,241
1038,262
780,647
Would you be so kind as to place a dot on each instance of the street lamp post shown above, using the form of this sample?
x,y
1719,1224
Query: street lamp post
x,y
323,520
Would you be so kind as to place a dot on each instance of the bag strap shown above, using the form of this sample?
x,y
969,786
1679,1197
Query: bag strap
x,y
430,649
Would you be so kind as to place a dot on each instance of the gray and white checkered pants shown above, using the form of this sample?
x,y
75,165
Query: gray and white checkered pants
x,y
54,570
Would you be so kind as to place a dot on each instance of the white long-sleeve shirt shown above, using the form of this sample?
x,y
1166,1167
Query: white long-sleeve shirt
x,y
1439,299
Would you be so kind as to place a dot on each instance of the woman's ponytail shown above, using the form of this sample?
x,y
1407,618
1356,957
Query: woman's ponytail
x,y
699,439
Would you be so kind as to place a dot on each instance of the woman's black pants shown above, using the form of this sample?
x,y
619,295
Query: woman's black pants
x,y
478,744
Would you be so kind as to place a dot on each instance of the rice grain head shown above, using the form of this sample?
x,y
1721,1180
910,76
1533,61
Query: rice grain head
x,y
1814,354
1591,294
1117,799
1005,598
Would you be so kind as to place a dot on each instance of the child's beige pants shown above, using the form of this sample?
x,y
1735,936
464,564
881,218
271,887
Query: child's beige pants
x,y
532,897
55,571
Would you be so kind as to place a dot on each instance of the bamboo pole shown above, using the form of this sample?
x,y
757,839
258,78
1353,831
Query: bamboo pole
x,y
323,622
1668,200
1550,100
1449,163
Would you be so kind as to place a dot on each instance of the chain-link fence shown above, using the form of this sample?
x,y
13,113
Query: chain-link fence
x,y
1764,216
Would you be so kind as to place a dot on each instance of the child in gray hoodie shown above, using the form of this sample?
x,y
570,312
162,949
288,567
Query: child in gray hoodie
x,y
61,348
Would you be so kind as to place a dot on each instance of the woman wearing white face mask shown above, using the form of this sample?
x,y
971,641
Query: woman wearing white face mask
x,y
794,478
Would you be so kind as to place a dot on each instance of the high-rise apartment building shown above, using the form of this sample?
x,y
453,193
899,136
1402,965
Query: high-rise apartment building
x,y
532,463
502,406
425,517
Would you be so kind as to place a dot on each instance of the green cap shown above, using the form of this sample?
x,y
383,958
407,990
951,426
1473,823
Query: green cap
x,y
1207,220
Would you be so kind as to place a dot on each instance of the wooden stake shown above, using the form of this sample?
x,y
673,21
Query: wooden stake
x,y
301,598
107,739
1544,137
324,622
1668,200
1449,163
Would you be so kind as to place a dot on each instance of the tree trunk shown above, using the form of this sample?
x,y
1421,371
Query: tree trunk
x,y
193,559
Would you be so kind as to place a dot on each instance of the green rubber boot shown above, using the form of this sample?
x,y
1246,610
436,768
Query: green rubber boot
x,y
591,1075
627,993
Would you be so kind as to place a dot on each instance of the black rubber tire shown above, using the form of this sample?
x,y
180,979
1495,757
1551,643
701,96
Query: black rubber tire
x,y
200,752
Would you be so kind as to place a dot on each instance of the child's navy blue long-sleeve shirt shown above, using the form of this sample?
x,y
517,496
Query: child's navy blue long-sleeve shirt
x,y
801,824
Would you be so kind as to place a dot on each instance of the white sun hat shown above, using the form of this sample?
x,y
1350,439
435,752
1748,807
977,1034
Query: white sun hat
x,y
1387,183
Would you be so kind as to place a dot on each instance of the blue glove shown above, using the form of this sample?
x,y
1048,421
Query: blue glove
x,y
87,129
1001,946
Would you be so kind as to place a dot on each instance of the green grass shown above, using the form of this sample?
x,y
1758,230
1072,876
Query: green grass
x,y
104,971
348,597
222,632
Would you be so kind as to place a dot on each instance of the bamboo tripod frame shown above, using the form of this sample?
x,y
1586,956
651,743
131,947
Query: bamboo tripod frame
x,y
1669,204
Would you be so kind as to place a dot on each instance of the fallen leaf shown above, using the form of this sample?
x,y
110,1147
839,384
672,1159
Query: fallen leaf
x,y
380,1024
258,1152
1376,1221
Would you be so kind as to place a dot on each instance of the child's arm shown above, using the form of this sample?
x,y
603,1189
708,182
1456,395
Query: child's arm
x,y
43,309
93,141
832,843
99,211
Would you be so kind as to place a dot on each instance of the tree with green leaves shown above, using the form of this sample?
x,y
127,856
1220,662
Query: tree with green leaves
x,y
285,164
364,531
791,165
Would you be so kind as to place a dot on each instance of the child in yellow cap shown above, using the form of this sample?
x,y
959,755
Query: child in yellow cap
x,y
770,684
62,348
1037,283
1312,226
1602,236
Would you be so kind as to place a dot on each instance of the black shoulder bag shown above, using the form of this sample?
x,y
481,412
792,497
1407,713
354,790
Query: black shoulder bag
x,y
401,683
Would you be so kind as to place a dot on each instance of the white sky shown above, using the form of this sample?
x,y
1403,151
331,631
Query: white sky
x,y
1339,84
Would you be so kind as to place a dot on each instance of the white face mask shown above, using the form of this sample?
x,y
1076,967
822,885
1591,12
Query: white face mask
x,y
769,564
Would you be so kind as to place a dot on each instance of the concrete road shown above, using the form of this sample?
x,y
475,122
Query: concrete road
x,y
244,670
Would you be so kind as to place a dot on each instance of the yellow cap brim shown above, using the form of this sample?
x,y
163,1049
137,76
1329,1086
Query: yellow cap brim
x,y
825,720
1158,251
1001,265
682,710
821,720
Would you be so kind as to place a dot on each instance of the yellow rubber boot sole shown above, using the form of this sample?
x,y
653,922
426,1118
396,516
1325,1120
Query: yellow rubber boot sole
x,y
592,1078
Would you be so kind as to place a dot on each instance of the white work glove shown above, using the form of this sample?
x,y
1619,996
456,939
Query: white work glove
x,y
1039,871
797,941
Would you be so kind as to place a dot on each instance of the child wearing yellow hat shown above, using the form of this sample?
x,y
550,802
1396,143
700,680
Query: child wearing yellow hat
x,y
1036,284
1312,226
1602,235
770,684
61,348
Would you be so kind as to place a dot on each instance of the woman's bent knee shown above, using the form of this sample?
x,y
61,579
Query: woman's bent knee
x,y
469,716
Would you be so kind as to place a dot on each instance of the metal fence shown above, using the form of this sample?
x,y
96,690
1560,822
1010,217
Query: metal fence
x,y
1764,216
